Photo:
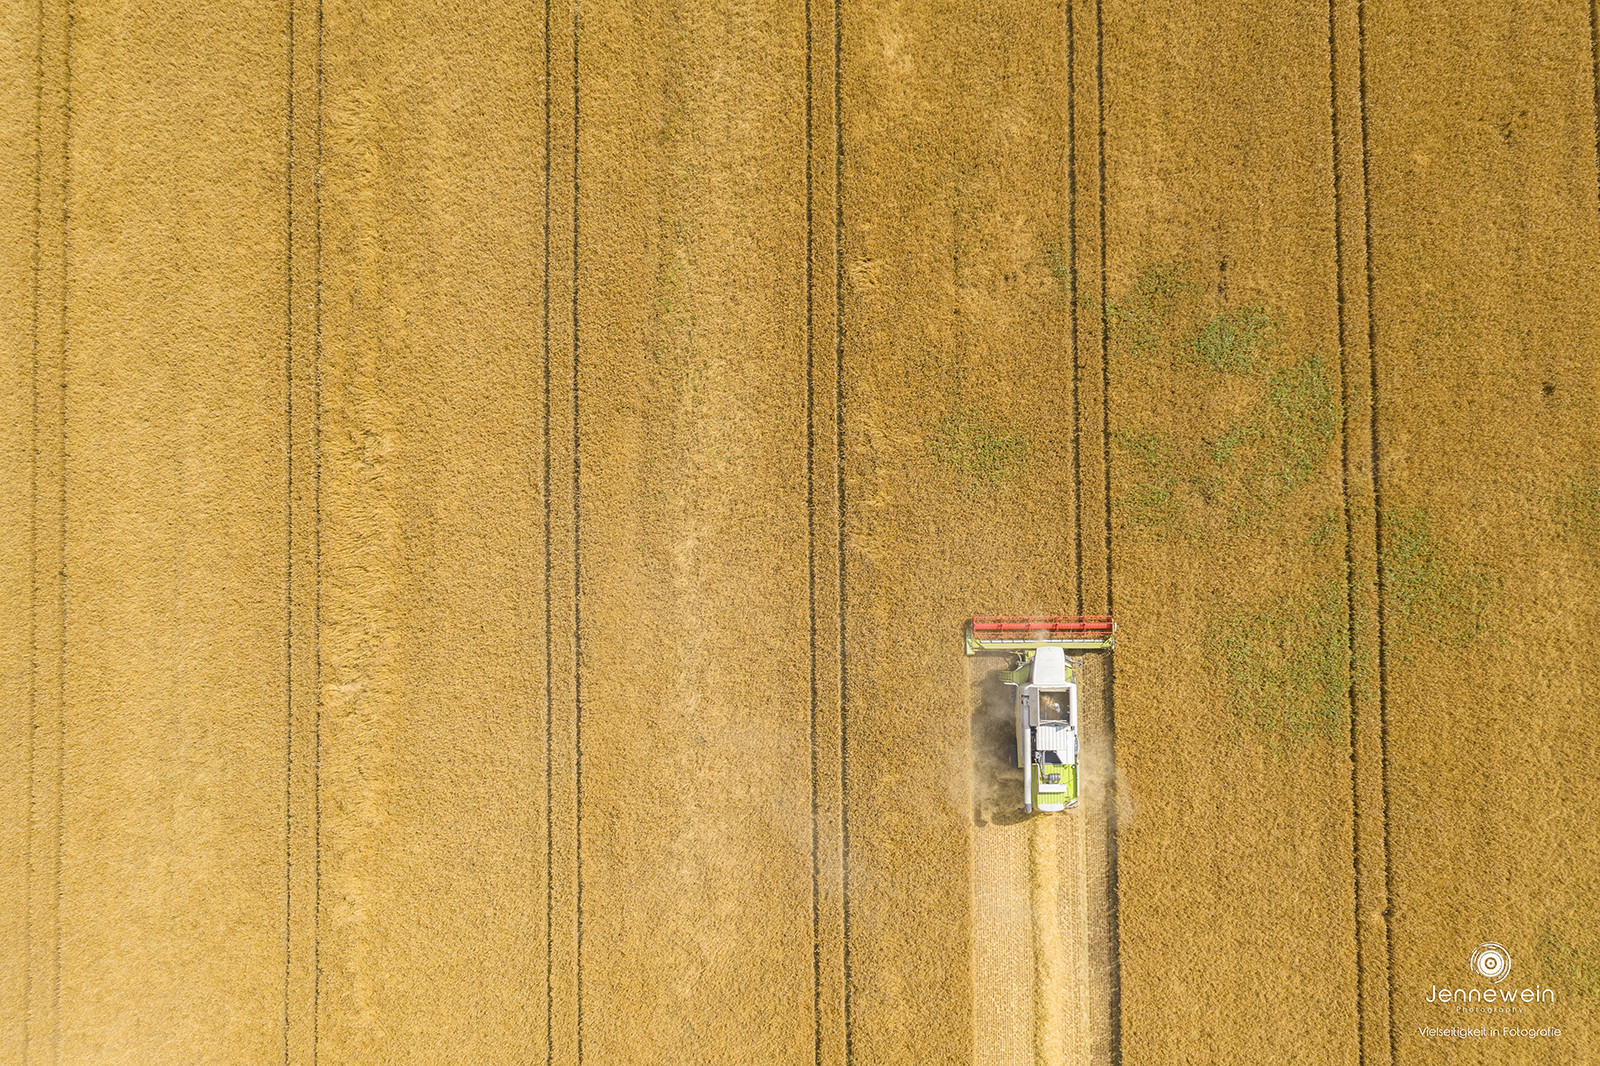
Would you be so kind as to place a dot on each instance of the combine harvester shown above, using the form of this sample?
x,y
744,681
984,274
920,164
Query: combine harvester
x,y
1045,683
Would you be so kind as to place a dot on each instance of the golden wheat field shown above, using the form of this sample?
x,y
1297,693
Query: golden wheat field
x,y
494,493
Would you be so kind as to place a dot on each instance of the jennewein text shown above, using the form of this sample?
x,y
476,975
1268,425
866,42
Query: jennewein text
x,y
1491,995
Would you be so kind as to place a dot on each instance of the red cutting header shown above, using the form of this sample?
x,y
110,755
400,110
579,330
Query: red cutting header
x,y
1050,623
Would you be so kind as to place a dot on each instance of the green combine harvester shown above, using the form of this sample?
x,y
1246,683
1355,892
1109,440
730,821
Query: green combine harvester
x,y
1045,683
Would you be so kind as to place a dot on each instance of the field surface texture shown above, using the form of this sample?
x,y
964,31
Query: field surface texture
x,y
494,493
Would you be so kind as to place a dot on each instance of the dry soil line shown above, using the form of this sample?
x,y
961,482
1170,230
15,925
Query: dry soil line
x,y
302,525
838,443
1114,975
549,597
1594,74
811,561
1349,554
302,499
316,624
34,693
288,537
47,768
549,606
824,487
1377,496
61,585
577,556
1072,305
1105,332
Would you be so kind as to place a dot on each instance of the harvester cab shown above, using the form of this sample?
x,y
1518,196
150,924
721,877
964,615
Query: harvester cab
x,y
1044,686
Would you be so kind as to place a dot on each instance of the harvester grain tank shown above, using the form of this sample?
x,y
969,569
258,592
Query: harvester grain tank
x,y
1044,684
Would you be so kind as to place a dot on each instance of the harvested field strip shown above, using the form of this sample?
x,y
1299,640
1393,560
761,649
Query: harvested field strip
x,y
1041,947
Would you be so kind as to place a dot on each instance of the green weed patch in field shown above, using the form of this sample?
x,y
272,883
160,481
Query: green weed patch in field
x,y
1328,525
1235,342
1287,665
1428,589
1579,507
972,446
1575,965
1058,264
1249,442
1143,316
1153,501
1278,445
1241,476
1299,417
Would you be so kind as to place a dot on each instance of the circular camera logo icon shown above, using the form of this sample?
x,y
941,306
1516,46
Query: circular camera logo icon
x,y
1491,961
